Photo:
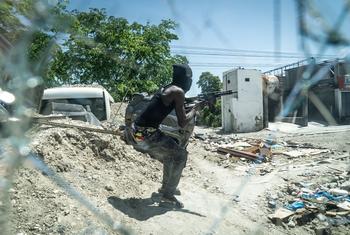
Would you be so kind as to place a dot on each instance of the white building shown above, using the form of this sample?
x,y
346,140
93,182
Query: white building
x,y
242,111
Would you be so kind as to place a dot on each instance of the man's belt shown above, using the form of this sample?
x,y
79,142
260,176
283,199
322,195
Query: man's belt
x,y
142,132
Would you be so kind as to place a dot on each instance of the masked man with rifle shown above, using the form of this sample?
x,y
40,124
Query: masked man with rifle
x,y
149,139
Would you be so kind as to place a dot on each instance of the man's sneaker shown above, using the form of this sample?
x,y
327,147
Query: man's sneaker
x,y
156,197
173,200
177,191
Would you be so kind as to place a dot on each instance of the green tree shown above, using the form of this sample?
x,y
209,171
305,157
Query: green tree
x,y
210,116
121,56
209,83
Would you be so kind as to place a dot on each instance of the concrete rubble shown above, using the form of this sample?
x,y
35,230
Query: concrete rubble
x,y
320,203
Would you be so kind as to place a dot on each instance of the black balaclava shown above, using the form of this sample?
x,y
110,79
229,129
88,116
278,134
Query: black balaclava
x,y
182,76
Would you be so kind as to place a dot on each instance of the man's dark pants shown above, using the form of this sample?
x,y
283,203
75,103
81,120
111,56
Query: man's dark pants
x,y
165,149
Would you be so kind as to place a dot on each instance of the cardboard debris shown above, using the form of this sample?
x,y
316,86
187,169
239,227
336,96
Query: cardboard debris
x,y
280,215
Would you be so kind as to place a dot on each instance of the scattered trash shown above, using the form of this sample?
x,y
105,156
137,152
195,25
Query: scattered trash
x,y
317,196
310,201
295,205
318,206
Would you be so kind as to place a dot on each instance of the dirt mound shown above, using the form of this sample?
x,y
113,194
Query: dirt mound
x,y
96,165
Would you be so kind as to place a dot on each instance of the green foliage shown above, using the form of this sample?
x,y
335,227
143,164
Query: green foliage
x,y
209,83
69,47
121,56
210,116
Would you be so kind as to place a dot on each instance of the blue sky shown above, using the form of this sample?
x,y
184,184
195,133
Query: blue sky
x,y
224,24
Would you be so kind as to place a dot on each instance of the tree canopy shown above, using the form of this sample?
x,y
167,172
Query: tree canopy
x,y
69,47
121,56
209,83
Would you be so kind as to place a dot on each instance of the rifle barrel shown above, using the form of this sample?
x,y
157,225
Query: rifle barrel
x,y
211,94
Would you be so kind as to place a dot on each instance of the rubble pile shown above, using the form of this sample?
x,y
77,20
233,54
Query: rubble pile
x,y
256,150
97,165
66,148
320,202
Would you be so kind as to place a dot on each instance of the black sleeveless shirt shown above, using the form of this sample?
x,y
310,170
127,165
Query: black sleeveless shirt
x,y
155,112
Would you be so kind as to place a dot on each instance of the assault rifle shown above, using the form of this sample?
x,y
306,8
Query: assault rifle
x,y
206,98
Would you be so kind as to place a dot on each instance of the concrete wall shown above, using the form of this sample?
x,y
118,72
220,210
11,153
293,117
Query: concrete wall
x,y
243,112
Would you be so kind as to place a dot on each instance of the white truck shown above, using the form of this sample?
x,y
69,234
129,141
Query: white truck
x,y
96,100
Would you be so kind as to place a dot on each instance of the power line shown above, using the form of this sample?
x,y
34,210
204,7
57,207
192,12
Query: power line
x,y
280,55
230,65
194,48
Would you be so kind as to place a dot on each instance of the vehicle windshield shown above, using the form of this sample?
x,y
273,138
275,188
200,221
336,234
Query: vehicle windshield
x,y
97,106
